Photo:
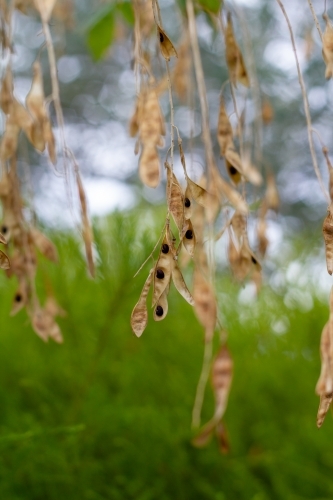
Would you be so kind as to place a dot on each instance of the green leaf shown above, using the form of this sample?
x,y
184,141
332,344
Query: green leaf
x,y
126,10
101,31
213,6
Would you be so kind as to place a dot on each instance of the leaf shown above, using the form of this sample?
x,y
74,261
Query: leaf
x,y
213,6
126,11
101,32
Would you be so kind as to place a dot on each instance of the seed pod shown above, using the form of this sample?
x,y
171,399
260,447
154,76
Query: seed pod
x,y
325,381
233,173
6,92
180,284
175,198
87,233
35,98
20,299
135,121
204,304
233,196
238,223
328,238
199,194
324,406
149,166
44,245
182,70
9,141
234,58
49,140
162,270
167,48
262,238
188,205
328,47
272,195
3,239
221,381
45,8
139,316
224,130
205,435
4,261
189,239
161,307
45,326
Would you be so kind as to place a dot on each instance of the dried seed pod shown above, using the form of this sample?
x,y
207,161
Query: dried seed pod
x,y
325,381
9,141
50,141
180,284
149,166
135,121
188,205
162,270
3,239
205,304
233,196
182,70
238,223
151,125
272,196
234,58
189,239
222,369
4,261
328,47
6,92
205,435
35,98
161,307
328,238
224,130
233,173
175,198
250,172
45,326
199,194
324,406
167,48
45,8
20,299
139,316
87,233
44,245
262,238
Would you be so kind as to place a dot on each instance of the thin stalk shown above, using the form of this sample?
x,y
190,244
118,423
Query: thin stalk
x,y
200,393
316,19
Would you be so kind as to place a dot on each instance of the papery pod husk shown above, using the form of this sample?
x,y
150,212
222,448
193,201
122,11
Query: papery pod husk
x,y
179,282
222,371
175,199
45,8
149,166
272,198
189,239
45,326
164,264
151,125
134,124
3,239
21,296
328,47
9,141
182,71
35,100
234,174
49,139
139,316
325,381
328,238
234,58
163,303
324,406
238,223
188,203
251,173
87,233
4,261
44,245
205,304
6,92
232,195
167,48
224,130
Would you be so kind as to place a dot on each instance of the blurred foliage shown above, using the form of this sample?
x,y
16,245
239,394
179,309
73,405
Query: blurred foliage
x,y
107,415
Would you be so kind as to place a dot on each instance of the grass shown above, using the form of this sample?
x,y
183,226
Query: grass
x,y
107,415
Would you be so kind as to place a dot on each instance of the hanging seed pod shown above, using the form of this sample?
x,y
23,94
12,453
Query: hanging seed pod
x,y
167,48
49,140
199,194
3,239
204,304
189,239
4,261
272,196
9,140
328,47
222,438
162,270
45,8
328,238
135,121
233,196
233,173
149,167
139,316
6,92
161,307
233,255
175,199
45,326
20,299
324,406
262,238
224,130
87,233
238,223
180,284
35,98
182,70
188,205
222,370
151,126
44,245
234,58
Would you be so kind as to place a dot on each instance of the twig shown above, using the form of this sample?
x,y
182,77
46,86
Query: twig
x,y
305,103
316,19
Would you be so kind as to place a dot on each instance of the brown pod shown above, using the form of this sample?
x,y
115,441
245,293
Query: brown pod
x,y
149,166
234,58
328,47
161,307
328,238
189,239
175,199
205,304
224,130
139,316
222,370
162,270
167,48
180,284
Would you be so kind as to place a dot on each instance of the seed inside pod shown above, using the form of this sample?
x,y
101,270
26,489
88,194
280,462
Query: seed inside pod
x,y
187,203
232,170
161,37
159,311
159,274
18,297
165,248
4,229
189,234
253,260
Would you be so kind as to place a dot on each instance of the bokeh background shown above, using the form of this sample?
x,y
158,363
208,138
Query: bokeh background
x,y
107,415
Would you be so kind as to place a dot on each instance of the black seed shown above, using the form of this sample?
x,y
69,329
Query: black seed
x,y
159,311
165,248
18,297
159,274
232,170
187,203
4,229
253,260
189,234
161,37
